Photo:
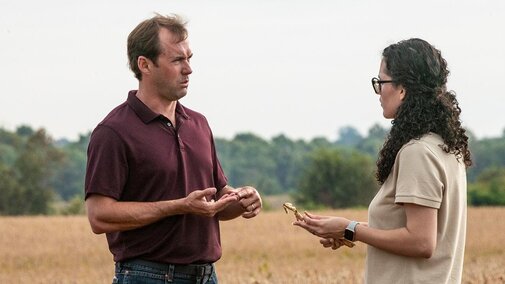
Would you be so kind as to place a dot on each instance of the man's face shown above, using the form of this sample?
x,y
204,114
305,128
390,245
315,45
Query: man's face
x,y
171,75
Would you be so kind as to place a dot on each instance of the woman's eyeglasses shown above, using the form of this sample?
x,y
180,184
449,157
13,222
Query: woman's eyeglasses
x,y
376,84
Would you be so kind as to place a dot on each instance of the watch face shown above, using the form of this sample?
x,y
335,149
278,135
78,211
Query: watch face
x,y
349,235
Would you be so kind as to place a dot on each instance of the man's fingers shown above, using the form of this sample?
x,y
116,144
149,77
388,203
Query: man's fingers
x,y
205,192
251,214
231,194
252,206
249,201
202,202
244,192
224,201
248,215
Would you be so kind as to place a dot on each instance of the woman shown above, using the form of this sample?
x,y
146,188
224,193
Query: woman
x,y
417,221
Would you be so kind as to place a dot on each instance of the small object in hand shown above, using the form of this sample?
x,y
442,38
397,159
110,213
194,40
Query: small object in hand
x,y
288,206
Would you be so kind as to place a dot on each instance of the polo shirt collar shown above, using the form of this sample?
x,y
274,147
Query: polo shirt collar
x,y
145,113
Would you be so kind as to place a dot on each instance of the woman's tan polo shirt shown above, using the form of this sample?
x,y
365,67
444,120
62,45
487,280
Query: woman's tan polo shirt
x,y
423,174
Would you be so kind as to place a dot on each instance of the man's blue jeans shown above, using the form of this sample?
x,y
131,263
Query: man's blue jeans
x,y
146,272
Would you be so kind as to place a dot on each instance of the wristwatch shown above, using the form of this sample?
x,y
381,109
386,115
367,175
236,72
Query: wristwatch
x,y
349,233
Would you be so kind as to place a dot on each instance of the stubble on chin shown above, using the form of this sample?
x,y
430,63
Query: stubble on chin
x,y
172,95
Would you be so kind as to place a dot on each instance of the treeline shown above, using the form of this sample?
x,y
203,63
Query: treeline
x,y
37,173
41,176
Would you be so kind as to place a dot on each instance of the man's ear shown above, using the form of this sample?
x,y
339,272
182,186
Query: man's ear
x,y
144,64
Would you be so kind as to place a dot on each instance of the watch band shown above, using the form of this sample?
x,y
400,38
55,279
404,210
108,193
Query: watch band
x,y
350,231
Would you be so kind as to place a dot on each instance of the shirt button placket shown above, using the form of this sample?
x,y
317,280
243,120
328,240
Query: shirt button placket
x,y
181,145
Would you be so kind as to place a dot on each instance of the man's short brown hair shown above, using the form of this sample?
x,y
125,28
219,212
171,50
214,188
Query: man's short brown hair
x,y
144,39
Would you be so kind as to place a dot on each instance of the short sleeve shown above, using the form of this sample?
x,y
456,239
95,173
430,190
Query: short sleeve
x,y
420,174
220,179
106,170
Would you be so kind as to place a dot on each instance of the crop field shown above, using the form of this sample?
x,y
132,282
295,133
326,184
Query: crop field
x,y
267,249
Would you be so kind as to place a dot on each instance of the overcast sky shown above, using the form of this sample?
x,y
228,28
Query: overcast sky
x,y
301,68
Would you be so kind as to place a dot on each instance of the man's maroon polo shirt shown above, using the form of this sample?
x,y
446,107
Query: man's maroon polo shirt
x,y
135,154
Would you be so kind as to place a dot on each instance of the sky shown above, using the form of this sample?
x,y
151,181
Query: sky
x,y
268,67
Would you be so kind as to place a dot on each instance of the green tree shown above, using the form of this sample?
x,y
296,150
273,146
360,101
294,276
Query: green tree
x,y
248,162
319,142
289,158
223,149
35,166
486,153
337,178
9,138
68,178
8,154
11,193
75,206
24,131
374,141
348,136
9,145
489,189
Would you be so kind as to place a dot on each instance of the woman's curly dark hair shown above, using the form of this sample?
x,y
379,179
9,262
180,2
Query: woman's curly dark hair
x,y
427,106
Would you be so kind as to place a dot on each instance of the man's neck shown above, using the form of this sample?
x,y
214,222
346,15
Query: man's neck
x,y
158,104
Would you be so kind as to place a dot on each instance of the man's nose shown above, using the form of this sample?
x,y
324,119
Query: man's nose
x,y
186,70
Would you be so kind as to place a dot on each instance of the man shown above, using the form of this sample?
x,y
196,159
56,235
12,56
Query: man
x,y
154,184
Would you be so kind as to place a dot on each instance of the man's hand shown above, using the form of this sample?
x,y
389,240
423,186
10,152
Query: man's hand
x,y
201,202
250,200
248,204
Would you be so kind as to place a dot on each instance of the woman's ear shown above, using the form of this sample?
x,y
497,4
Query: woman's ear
x,y
403,92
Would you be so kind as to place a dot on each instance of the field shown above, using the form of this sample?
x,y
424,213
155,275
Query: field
x,y
266,249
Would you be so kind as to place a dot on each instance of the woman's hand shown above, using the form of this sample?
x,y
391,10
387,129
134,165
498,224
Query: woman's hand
x,y
326,227
331,243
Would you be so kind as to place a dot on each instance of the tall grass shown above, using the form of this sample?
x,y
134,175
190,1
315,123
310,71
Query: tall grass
x,y
267,249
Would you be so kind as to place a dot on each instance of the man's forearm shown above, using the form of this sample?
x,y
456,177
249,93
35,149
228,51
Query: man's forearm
x,y
108,215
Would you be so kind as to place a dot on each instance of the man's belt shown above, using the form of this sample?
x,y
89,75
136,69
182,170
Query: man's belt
x,y
189,269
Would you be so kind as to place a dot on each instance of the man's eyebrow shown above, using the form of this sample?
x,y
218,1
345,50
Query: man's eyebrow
x,y
181,56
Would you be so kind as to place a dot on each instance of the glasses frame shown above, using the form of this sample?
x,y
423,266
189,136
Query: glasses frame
x,y
377,84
